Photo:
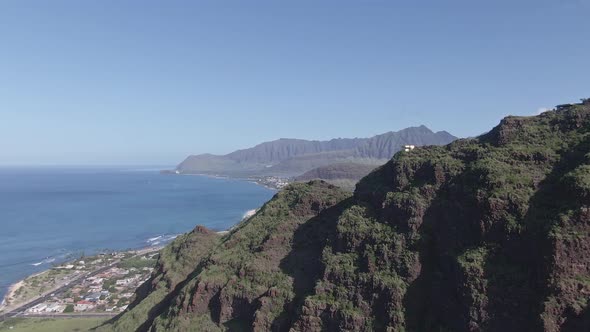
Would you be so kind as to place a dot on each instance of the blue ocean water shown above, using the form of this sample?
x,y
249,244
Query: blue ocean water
x,y
48,215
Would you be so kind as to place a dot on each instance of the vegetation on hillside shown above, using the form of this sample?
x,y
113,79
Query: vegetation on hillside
x,y
484,234
344,175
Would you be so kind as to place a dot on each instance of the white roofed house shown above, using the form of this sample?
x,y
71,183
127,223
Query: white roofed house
x,y
38,308
409,148
47,307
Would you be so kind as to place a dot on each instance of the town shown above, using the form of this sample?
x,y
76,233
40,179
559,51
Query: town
x,y
273,182
104,283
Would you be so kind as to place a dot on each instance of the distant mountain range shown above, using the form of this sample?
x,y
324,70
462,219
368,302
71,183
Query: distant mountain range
x,y
291,157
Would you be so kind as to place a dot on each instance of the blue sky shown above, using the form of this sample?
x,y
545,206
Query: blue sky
x,y
146,82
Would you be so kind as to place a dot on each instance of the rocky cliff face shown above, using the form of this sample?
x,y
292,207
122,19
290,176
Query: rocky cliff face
x,y
485,234
284,148
384,146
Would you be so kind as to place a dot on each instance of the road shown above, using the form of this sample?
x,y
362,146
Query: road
x,y
80,315
19,311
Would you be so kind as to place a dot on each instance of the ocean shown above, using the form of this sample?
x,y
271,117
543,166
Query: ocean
x,y
50,215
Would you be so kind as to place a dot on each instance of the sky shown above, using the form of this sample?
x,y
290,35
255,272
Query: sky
x,y
150,82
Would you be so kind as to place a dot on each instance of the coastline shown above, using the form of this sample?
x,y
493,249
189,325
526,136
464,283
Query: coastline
x,y
255,180
11,292
53,294
13,288
32,276
261,184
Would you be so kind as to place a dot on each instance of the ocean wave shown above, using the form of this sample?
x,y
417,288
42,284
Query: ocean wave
x,y
47,260
249,214
154,239
169,238
58,256
161,239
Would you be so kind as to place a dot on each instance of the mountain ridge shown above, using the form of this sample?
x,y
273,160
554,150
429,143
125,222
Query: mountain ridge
x,y
288,157
483,234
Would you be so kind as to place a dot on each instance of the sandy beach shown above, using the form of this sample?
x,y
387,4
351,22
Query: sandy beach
x,y
11,292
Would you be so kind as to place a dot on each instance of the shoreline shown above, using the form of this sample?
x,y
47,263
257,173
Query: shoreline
x,y
78,277
11,292
18,286
14,287
256,181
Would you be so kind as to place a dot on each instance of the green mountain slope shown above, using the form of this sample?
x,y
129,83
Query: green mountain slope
x,y
247,277
344,175
484,234
177,263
